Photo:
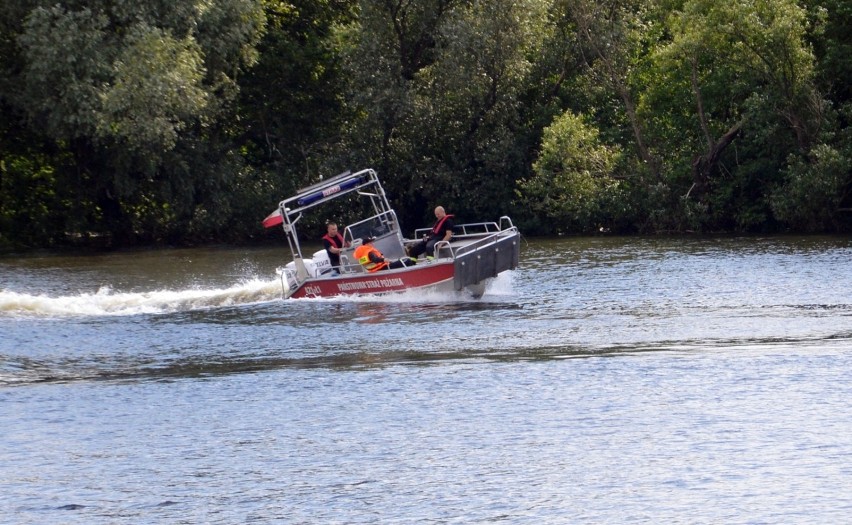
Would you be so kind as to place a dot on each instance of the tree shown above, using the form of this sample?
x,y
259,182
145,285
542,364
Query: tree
x,y
763,41
133,91
573,184
442,122
833,46
613,36
292,100
814,188
734,71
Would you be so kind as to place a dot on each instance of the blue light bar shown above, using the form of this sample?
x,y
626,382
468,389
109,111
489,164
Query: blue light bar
x,y
331,190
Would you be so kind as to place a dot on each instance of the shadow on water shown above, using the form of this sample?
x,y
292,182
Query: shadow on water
x,y
29,372
319,311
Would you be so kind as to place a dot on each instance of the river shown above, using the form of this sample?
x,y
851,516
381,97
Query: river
x,y
606,380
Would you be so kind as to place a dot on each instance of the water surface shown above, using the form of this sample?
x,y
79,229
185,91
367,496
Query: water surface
x,y
610,380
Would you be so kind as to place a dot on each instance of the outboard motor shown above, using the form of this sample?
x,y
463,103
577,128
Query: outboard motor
x,y
310,267
322,262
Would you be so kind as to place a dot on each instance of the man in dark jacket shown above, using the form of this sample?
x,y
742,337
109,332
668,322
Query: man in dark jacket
x,y
442,230
333,243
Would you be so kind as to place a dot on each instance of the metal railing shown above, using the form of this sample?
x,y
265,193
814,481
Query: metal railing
x,y
464,249
472,228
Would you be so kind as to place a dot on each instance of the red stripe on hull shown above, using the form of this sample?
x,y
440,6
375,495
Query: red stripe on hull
x,y
383,281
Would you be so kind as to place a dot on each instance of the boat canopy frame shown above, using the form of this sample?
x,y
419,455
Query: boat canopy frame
x,y
365,183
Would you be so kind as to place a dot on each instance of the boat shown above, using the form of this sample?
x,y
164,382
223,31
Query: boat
x,y
467,263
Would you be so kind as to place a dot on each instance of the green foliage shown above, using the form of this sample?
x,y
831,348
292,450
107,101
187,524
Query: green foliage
x,y
572,186
29,201
66,65
150,121
438,85
292,100
728,66
763,47
139,96
833,46
156,90
814,189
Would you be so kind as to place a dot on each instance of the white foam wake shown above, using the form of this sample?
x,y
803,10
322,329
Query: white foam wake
x,y
107,302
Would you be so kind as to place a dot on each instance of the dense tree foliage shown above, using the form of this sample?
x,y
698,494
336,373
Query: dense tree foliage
x,y
143,122
124,111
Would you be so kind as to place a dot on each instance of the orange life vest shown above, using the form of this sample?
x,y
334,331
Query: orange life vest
x,y
362,253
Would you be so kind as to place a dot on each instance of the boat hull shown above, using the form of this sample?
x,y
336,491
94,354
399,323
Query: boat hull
x,y
430,275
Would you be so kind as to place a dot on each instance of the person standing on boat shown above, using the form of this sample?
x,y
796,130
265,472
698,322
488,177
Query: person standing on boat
x,y
442,230
334,244
373,260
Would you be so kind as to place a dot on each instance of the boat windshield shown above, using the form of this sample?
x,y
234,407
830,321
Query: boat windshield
x,y
375,226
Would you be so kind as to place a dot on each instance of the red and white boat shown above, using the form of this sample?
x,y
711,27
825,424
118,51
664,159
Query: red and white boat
x,y
475,254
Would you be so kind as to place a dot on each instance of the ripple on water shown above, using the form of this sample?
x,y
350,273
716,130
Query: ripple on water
x,y
606,380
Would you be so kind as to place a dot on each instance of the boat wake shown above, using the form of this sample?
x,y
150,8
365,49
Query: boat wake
x,y
108,302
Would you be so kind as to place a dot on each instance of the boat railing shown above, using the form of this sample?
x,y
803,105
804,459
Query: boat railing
x,y
348,266
447,247
472,228
507,221
492,236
